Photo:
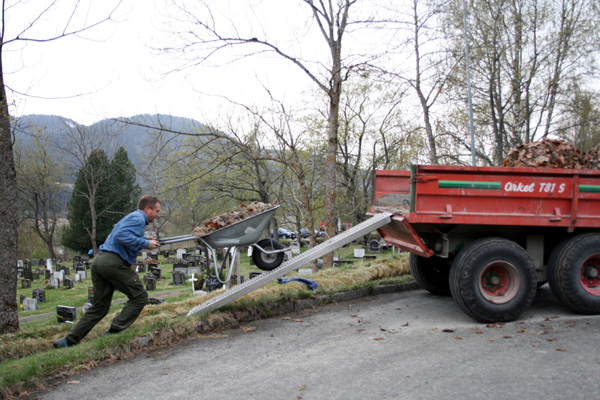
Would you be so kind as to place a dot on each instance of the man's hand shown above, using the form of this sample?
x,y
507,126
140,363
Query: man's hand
x,y
153,244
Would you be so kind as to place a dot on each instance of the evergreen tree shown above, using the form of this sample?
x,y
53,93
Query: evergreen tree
x,y
125,190
104,191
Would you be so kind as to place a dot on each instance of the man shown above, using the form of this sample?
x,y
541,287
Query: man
x,y
111,270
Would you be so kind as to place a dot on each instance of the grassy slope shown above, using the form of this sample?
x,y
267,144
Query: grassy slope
x,y
27,358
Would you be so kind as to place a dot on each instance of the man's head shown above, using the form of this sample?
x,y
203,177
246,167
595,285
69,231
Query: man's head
x,y
150,205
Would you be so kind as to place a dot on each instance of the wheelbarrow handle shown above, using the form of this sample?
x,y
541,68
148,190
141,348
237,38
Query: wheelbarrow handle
x,y
176,239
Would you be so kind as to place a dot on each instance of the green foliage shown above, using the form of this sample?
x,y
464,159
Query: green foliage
x,y
125,192
104,192
30,245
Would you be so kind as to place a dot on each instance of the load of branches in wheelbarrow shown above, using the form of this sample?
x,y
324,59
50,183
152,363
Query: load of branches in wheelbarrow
x,y
242,212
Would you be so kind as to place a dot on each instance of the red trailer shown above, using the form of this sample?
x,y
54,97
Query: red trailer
x,y
490,236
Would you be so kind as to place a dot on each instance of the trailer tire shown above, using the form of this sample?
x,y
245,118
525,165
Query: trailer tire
x,y
432,274
574,273
268,262
493,279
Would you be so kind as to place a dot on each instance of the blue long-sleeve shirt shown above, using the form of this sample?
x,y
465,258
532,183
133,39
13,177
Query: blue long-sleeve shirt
x,y
127,237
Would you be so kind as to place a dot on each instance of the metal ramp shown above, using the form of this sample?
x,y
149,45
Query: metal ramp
x,y
376,221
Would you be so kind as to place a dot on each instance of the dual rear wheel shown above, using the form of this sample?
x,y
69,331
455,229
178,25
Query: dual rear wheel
x,y
494,279
574,273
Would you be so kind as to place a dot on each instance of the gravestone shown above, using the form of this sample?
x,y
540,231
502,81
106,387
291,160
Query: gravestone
x,y
171,260
27,273
66,313
81,275
22,298
157,272
192,262
30,304
194,270
20,263
180,253
374,246
141,267
86,264
68,283
212,283
76,259
55,283
35,263
178,278
295,247
90,294
60,275
19,273
180,270
26,283
47,274
79,267
154,256
39,295
151,283
26,263
148,276
66,271
36,274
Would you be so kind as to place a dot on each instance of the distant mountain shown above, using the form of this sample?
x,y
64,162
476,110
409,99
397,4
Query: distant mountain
x,y
135,137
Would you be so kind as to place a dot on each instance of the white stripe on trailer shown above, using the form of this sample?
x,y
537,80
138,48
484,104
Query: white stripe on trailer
x,y
326,247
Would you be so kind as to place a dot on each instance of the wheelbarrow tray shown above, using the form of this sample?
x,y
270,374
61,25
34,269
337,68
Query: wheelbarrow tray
x,y
241,233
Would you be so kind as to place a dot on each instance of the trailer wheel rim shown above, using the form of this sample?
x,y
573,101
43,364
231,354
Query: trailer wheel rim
x,y
499,282
589,275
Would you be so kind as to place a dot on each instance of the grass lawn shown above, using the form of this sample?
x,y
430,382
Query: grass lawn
x,y
27,358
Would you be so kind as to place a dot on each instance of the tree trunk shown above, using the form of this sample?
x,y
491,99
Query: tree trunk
x,y
9,319
332,147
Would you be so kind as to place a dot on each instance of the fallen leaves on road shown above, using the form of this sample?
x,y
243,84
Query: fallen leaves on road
x,y
249,328
72,382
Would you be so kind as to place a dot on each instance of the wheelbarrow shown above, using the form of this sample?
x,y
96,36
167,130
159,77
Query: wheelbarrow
x,y
267,254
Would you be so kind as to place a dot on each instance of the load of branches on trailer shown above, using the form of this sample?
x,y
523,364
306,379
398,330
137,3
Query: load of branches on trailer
x,y
552,153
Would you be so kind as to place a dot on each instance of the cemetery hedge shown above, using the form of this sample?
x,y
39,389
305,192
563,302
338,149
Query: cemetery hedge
x,y
28,362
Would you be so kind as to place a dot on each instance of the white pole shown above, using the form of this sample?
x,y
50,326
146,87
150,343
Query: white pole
x,y
469,95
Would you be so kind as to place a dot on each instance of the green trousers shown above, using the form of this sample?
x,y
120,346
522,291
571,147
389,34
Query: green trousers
x,y
110,272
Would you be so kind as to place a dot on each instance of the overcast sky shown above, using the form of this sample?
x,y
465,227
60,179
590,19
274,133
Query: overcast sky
x,y
117,75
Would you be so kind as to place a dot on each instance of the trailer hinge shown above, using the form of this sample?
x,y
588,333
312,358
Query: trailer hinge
x,y
448,214
557,215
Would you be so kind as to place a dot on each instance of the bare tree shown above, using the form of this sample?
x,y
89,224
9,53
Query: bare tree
x,y
14,33
201,37
88,149
525,53
40,181
372,136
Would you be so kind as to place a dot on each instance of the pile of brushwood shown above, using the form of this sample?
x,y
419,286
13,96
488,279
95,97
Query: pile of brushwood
x,y
220,221
552,153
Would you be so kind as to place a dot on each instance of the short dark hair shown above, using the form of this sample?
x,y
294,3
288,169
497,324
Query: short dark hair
x,y
148,200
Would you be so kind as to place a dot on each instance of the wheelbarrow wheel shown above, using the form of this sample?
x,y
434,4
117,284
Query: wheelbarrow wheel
x,y
264,261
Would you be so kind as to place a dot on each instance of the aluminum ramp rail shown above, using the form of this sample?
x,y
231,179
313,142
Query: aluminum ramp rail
x,y
376,221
